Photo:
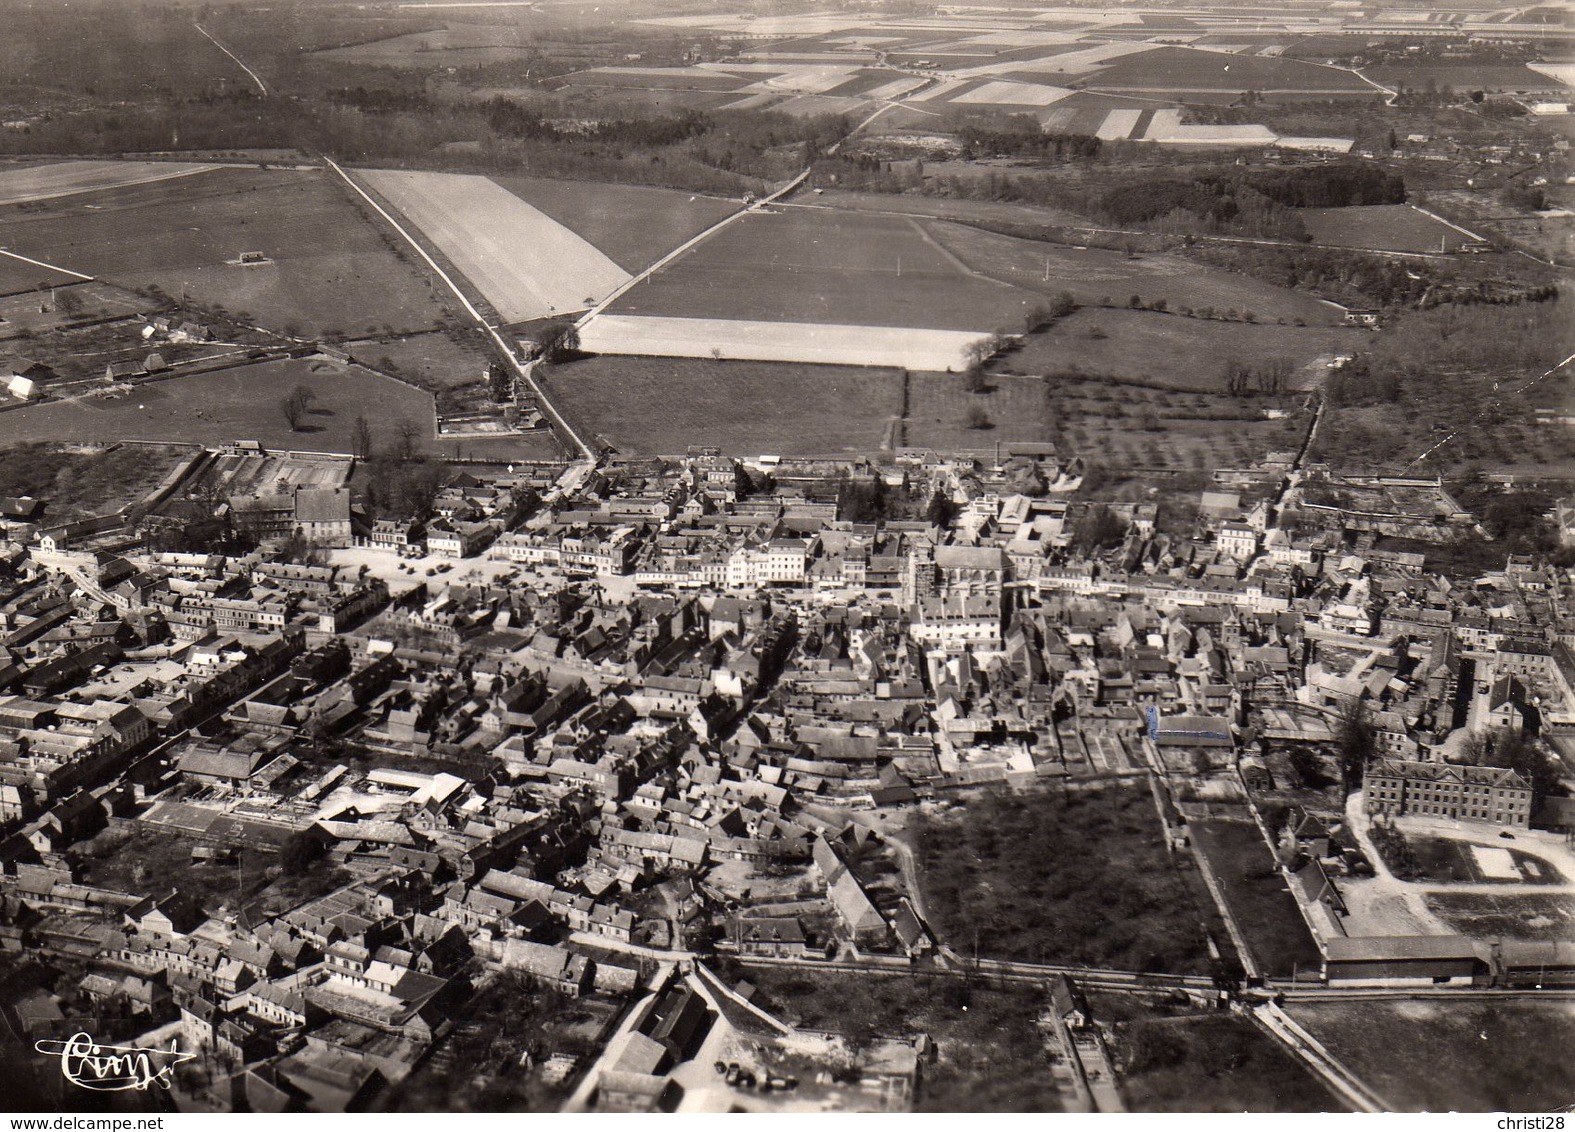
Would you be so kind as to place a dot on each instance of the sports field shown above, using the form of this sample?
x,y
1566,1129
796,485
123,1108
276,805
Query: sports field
x,y
328,268
818,343
631,225
822,266
236,404
526,264
1382,227
43,182
664,405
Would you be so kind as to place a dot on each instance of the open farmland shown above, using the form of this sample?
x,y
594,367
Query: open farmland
x,y
1383,228
819,266
45,182
1097,276
664,405
526,264
439,359
328,270
1182,71
1432,1056
1175,351
818,343
1490,77
461,45
18,275
631,225
235,404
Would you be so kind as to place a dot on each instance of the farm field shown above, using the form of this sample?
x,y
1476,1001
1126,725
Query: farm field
x,y
1431,1056
1381,227
66,178
1264,908
1175,351
1464,77
235,404
1097,275
939,409
664,405
631,225
526,264
1181,70
330,269
819,266
18,275
462,45
818,343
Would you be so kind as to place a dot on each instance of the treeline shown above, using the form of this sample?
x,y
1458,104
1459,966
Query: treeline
x,y
1355,278
1259,202
728,152
1200,207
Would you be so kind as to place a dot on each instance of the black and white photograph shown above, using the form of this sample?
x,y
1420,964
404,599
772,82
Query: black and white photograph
x,y
571,557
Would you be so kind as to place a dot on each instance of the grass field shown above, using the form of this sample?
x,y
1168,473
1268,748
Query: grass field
x,y
45,182
330,268
1453,1056
1263,907
235,404
1079,876
1381,227
1488,916
1094,275
813,265
1184,1062
632,225
436,359
526,264
18,275
1167,349
1464,77
939,410
819,343
1179,70
663,405
462,45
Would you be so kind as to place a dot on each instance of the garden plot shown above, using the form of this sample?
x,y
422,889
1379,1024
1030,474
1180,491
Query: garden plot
x,y
44,182
526,264
741,340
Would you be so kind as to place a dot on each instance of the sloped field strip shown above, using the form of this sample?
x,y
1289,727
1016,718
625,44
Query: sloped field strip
x,y
526,264
743,340
44,182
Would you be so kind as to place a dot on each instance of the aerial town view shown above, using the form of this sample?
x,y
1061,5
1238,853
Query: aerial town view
x,y
705,556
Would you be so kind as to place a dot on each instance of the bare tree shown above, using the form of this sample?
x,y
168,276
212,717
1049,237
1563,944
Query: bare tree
x,y
293,411
409,432
361,438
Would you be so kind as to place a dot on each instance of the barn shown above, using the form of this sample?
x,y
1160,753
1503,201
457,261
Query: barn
x,y
1403,961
